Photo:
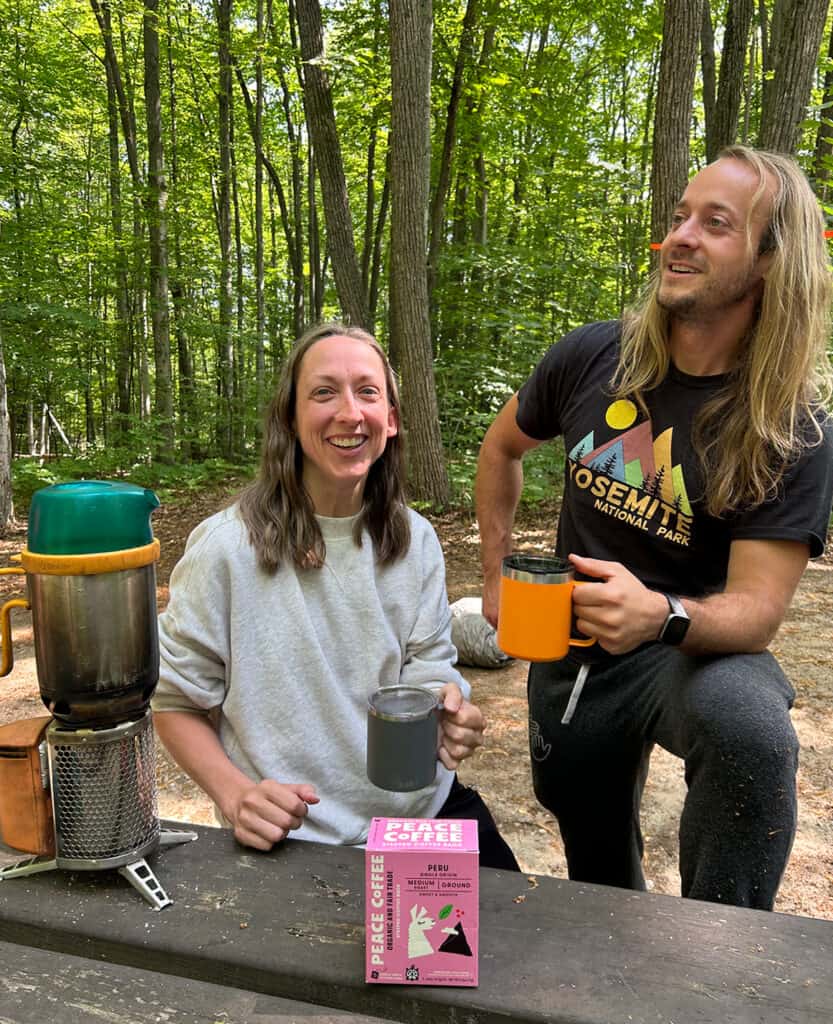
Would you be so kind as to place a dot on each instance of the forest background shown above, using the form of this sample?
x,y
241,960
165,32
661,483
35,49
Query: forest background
x,y
184,186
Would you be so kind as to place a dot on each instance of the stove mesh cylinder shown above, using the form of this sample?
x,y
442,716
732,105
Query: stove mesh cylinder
x,y
103,793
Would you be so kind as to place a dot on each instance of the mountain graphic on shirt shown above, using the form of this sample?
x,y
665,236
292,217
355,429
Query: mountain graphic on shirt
x,y
639,459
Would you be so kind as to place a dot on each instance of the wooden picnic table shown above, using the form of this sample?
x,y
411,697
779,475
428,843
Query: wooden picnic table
x,y
279,937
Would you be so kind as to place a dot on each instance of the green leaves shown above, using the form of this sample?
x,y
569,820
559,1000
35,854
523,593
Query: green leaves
x,y
545,226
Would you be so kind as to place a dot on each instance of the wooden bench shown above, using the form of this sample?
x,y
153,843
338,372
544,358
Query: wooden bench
x,y
39,987
290,925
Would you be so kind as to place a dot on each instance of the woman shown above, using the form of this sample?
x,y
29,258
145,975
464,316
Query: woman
x,y
291,607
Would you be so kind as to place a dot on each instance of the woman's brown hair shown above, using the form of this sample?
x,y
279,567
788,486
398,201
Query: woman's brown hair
x,y
276,508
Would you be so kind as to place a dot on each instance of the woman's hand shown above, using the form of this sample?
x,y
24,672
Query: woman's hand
x,y
461,729
261,813
264,813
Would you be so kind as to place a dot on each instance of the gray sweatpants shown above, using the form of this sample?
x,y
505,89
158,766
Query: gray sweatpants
x,y
726,716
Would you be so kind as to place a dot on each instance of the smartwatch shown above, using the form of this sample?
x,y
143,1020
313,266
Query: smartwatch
x,y
676,625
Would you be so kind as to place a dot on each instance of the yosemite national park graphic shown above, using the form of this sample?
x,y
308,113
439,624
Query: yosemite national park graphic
x,y
632,477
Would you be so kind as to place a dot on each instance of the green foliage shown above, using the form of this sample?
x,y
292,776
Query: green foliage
x,y
545,221
28,476
172,484
544,474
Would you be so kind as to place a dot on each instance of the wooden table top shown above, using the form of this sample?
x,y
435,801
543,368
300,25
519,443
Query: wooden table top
x,y
290,925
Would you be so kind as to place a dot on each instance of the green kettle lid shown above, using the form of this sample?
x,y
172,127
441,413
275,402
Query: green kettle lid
x,y
89,516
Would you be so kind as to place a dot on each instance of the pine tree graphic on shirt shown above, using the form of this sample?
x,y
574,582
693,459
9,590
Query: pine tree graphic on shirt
x,y
635,457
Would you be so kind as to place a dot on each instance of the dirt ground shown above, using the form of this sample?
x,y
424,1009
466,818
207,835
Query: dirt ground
x,y
500,769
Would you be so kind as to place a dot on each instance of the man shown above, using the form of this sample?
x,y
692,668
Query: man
x,y
698,482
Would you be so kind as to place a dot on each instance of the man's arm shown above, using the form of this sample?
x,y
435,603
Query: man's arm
x,y
761,580
497,491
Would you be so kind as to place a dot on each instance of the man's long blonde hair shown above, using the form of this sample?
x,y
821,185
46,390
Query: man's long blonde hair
x,y
765,416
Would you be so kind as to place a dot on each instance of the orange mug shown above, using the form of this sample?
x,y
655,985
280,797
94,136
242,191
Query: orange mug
x,y
535,609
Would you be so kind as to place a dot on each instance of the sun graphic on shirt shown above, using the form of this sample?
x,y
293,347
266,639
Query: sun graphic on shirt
x,y
621,414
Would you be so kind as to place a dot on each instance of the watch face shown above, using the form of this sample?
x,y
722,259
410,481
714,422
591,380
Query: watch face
x,y
676,627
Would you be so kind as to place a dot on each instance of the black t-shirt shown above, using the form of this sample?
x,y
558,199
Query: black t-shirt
x,y
633,487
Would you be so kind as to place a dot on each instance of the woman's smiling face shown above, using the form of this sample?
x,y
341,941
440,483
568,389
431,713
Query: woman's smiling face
x,y
343,419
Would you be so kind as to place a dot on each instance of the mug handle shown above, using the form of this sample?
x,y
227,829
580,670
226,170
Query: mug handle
x,y
581,643
7,654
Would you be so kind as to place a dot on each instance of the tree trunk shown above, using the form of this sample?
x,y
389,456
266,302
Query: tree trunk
x,y
144,368
238,379
477,174
273,314
225,341
378,234
157,200
763,25
438,203
6,507
30,428
185,366
672,125
532,76
128,120
43,445
266,163
822,162
324,135
297,251
794,41
369,208
368,239
123,337
128,304
260,266
707,64
730,85
316,285
471,188
410,57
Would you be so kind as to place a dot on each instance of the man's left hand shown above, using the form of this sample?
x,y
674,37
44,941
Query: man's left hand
x,y
619,611
461,732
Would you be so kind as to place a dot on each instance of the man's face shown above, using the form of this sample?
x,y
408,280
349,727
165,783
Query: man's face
x,y
709,260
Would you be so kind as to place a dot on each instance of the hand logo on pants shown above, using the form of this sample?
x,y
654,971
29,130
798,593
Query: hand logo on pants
x,y
538,747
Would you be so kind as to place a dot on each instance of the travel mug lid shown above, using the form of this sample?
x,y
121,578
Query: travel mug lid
x,y
89,517
402,703
537,569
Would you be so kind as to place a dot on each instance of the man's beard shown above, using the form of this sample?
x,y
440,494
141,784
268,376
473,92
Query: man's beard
x,y
712,298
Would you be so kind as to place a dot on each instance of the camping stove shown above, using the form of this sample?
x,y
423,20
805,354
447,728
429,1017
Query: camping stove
x,y
103,788
79,788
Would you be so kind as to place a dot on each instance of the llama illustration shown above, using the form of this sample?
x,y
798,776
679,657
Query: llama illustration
x,y
418,944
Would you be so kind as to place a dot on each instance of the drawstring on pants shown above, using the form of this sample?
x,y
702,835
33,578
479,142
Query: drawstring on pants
x,y
578,686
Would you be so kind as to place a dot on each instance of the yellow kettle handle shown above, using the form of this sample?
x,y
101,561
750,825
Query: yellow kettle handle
x,y
7,654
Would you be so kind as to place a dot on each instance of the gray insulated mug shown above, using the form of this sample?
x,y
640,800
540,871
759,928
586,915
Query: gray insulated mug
x,y
402,738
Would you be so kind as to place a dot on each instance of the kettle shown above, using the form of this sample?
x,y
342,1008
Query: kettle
x,y
90,567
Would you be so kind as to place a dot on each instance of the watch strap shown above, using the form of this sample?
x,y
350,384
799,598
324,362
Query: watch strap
x,y
676,624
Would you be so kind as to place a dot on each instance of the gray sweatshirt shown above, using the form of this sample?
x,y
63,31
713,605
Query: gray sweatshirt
x,y
289,660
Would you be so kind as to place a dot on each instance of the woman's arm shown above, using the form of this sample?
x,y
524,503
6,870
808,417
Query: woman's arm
x,y
261,813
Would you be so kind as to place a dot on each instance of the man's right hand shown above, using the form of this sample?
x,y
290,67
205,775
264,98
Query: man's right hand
x,y
266,812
